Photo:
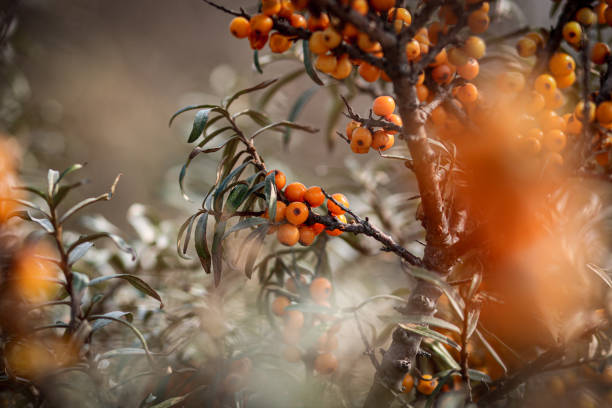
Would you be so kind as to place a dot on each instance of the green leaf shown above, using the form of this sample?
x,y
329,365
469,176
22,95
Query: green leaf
x,y
100,323
135,281
298,106
172,402
218,194
442,353
217,251
43,222
132,328
246,223
421,320
117,240
52,177
188,108
236,197
32,190
287,124
200,243
238,94
492,351
270,192
308,64
69,170
187,224
256,116
78,252
199,122
425,332
79,282
478,376
256,63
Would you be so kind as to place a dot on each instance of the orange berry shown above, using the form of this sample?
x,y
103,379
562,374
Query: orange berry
x,y
600,52
467,93
257,41
573,125
427,384
586,16
261,24
343,68
298,21
352,125
579,111
457,56
511,82
545,84
600,10
270,7
362,139
331,38
536,102
438,115
555,101
294,319
603,159
383,106
279,215
382,140
360,6
326,363
604,113
566,81
608,15
553,159
572,32
554,140
317,43
549,120
535,132
318,23
474,47
536,37
300,4
422,92
314,196
326,63
442,74
441,58
296,213
279,43
407,383
366,43
279,178
318,228
279,304
295,192
240,27
287,9
478,21
526,47
288,234
396,120
561,64
335,209
382,5
336,232
531,145
307,235
369,72
470,70
320,289
413,50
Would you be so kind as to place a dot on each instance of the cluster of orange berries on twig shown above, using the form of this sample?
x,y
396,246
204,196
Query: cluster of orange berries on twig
x,y
362,138
319,290
294,207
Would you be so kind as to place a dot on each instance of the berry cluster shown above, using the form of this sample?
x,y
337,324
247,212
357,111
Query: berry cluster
x,y
319,291
292,223
363,138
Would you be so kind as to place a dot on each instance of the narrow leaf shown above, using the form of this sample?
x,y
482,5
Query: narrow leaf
x,y
256,63
284,123
43,222
78,252
199,122
308,64
135,281
217,251
603,275
100,323
200,243
246,223
420,319
425,332
238,94
188,108
52,177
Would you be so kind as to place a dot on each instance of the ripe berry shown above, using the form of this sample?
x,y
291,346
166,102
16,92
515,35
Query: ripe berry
x,y
531,145
407,383
240,27
604,113
326,363
320,289
566,81
586,16
536,37
257,41
549,120
441,58
261,24
553,159
331,38
600,52
291,285
579,111
287,9
572,32
535,132
382,5
554,140
467,93
296,213
326,63
336,232
396,120
383,106
335,209
382,140
366,43
360,6
457,56
279,179
307,235
413,50
536,102
288,234
300,4
555,101
573,125
279,305
295,192
343,68
478,21
442,74
298,21
422,92
561,64
280,213
294,319
270,7
314,196
474,47
526,47
369,72
318,23
352,125
318,228
545,84
470,70
317,43
362,139
279,43
427,384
